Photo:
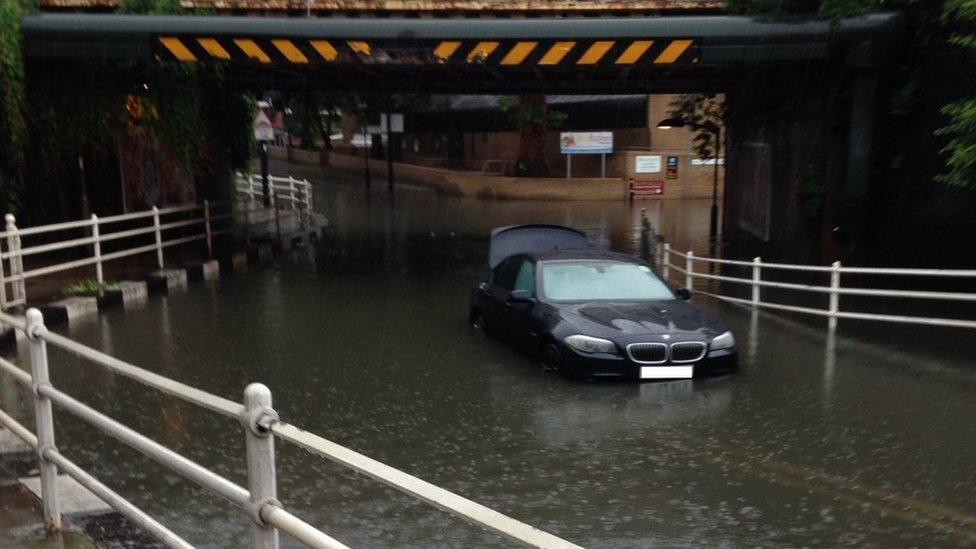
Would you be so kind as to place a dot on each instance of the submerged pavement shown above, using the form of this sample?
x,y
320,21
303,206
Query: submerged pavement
x,y
362,338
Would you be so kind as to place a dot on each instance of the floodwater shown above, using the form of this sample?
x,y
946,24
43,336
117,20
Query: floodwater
x,y
362,339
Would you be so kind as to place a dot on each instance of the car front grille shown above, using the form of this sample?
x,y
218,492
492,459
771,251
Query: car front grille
x,y
682,352
687,351
648,353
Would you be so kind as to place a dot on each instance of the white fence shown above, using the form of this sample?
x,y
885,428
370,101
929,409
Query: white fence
x,y
286,192
689,262
127,234
261,426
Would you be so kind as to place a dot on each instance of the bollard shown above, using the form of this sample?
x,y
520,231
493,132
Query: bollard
x,y
16,260
97,248
258,418
44,418
159,237
756,266
689,270
206,227
834,306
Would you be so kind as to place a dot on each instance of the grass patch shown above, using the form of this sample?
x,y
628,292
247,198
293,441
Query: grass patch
x,y
89,287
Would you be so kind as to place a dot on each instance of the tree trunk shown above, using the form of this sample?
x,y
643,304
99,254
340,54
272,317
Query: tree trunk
x,y
531,159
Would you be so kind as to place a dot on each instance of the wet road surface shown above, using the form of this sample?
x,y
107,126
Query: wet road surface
x,y
363,340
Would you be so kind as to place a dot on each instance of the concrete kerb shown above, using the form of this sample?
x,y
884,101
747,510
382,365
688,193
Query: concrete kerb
x,y
204,270
131,292
84,513
167,280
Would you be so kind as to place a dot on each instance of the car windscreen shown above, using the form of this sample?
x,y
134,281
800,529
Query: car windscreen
x,y
601,281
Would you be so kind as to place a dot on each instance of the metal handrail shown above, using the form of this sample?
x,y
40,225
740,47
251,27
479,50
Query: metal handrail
x,y
261,426
833,291
296,191
13,272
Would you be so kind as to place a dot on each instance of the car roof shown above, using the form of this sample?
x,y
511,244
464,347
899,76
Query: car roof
x,y
584,255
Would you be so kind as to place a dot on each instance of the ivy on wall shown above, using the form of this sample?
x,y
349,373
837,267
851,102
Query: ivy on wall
x,y
56,118
961,129
13,126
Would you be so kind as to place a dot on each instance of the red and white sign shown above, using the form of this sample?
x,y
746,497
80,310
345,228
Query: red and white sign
x,y
648,188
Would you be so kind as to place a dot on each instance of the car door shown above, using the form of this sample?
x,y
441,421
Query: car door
x,y
495,293
519,315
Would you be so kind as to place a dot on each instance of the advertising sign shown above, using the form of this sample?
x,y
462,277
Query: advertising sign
x,y
586,142
672,168
648,188
647,163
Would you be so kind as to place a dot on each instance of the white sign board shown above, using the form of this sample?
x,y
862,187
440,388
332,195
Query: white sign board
x,y
263,130
396,122
586,142
647,163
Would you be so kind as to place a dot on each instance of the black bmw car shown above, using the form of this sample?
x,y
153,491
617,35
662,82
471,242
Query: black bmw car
x,y
593,314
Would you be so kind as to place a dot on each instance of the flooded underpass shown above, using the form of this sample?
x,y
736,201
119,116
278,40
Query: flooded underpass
x,y
363,339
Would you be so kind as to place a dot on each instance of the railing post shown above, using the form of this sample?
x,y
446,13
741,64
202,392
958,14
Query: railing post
x,y
756,278
666,261
44,417
258,418
834,295
291,191
97,247
16,260
3,286
689,270
159,237
206,226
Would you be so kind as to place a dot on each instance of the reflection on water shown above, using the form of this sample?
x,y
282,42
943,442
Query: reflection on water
x,y
362,338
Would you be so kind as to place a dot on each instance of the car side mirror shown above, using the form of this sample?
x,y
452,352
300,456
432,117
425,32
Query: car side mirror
x,y
520,297
683,293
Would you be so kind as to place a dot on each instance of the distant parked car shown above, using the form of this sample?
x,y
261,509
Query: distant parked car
x,y
588,313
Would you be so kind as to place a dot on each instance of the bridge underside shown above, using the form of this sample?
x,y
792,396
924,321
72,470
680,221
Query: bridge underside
x,y
802,94
660,54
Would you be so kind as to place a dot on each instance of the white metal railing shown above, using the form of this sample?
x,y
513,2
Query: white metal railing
x,y
291,193
834,290
261,426
198,222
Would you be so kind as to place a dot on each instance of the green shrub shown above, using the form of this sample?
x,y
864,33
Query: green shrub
x,y
89,287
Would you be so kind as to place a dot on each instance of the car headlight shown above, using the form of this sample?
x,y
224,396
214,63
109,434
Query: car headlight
x,y
589,344
723,341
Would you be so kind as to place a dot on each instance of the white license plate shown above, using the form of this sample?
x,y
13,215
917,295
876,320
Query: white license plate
x,y
666,372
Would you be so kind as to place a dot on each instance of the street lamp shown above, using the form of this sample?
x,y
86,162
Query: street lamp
x,y
716,130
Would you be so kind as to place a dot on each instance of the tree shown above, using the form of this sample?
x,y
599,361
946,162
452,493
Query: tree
x,y
961,129
533,118
704,114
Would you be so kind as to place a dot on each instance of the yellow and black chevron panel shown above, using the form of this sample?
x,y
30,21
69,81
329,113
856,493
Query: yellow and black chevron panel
x,y
497,53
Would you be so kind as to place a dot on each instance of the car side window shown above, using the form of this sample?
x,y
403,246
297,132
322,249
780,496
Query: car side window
x,y
526,277
504,273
